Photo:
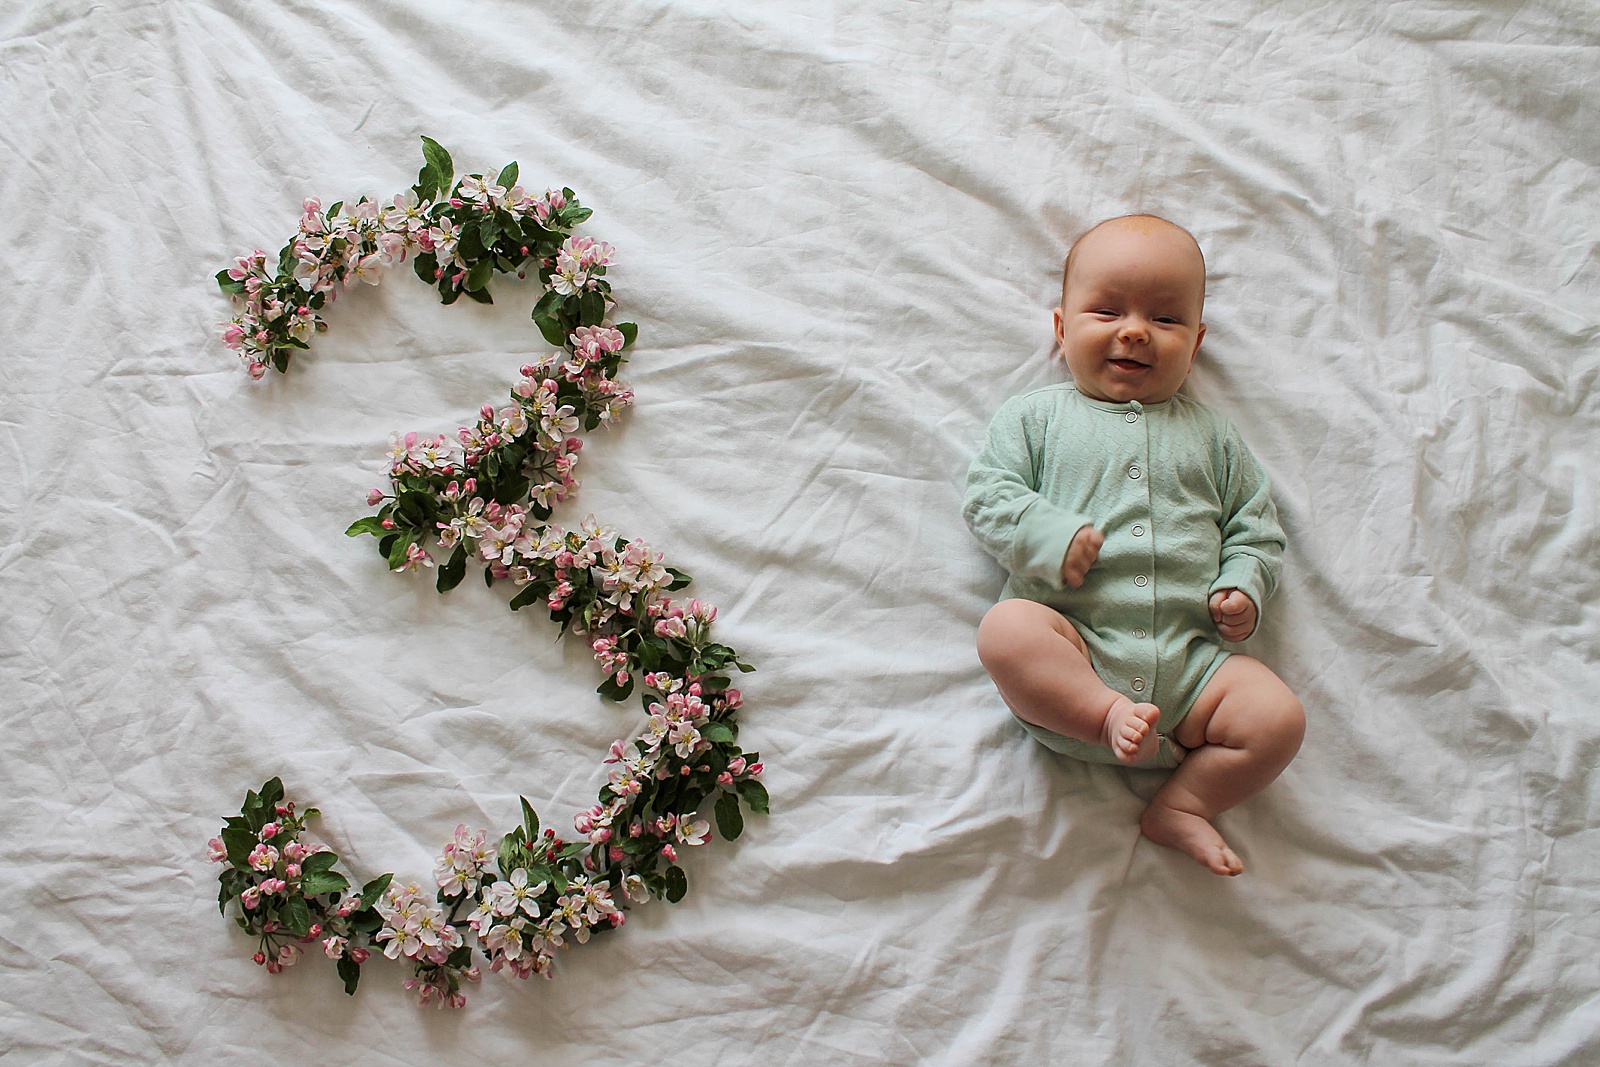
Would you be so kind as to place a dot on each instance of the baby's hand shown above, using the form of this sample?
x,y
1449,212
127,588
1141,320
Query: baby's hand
x,y
1234,613
1081,554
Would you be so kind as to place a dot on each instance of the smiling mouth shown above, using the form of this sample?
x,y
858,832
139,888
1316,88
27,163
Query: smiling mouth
x,y
1128,364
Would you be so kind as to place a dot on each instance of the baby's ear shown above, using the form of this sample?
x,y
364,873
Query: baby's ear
x,y
1059,320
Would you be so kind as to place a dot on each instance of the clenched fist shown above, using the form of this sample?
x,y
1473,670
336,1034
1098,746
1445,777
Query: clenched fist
x,y
1234,613
1081,554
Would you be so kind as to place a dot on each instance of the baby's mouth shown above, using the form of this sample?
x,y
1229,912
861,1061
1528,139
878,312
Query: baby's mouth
x,y
1129,365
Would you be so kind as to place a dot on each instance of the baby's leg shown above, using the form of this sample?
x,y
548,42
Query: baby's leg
x,y
1041,666
1243,731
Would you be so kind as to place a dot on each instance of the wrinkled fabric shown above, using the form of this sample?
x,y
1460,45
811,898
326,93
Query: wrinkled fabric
x,y
840,229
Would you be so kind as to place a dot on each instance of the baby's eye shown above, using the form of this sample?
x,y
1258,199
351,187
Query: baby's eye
x,y
1167,319
1104,311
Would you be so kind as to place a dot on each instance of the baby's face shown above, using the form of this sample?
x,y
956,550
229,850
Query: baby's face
x,y
1129,321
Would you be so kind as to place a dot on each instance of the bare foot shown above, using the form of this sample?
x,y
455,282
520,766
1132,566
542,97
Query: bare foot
x,y
1130,730
1192,835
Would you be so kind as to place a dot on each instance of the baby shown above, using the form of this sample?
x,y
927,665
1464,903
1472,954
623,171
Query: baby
x,y
1138,530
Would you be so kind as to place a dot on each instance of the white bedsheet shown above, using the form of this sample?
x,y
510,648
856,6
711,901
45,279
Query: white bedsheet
x,y
839,228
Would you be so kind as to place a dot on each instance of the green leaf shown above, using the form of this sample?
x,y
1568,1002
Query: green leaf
x,y
239,843
679,578
717,732
612,691
591,308
350,972
547,303
451,573
488,232
313,885
297,917
481,295
755,795
425,264
510,853
374,889
318,862
730,823
271,792
574,216
470,247
551,329
439,160
417,508
530,595
461,957
229,285
397,551
508,176
530,819
677,884
233,883
369,525
286,260
629,332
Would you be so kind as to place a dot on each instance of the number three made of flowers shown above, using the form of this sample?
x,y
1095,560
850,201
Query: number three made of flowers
x,y
485,497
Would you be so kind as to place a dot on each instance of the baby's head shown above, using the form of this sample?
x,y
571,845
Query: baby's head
x,y
1132,293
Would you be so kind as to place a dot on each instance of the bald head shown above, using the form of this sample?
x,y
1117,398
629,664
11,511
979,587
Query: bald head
x,y
1167,237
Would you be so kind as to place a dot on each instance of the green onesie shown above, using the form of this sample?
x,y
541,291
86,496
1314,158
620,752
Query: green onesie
x,y
1185,510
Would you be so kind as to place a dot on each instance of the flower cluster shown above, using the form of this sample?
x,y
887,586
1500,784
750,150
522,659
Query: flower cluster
x,y
456,238
485,496
287,891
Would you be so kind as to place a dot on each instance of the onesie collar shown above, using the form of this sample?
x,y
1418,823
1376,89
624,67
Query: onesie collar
x,y
1113,405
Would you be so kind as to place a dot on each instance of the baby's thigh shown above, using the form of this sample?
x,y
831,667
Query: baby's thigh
x,y
1242,703
1015,627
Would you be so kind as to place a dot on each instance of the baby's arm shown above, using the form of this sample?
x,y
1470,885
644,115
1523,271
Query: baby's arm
x,y
1252,542
1029,534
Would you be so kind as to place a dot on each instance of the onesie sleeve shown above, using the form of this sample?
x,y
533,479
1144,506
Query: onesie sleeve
x,y
1017,524
1252,540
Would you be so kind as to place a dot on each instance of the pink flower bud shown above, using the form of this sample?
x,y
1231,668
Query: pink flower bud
x,y
684,771
736,765
670,852
269,831
315,932
387,524
359,955
756,768
528,370
487,412
456,201
616,853
260,958
374,497
724,778
292,870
